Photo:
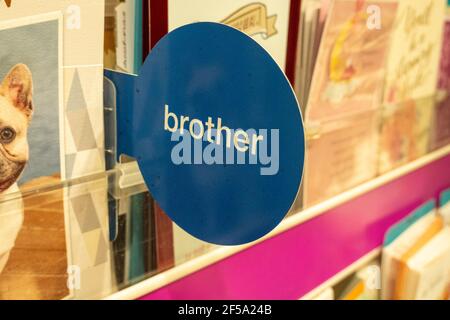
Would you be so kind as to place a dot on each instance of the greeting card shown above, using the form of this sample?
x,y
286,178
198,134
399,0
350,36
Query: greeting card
x,y
340,155
405,132
441,121
52,71
267,21
413,63
350,66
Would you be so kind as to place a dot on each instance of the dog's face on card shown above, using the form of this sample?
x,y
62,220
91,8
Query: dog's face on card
x,y
16,108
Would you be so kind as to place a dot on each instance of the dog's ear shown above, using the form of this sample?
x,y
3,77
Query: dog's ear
x,y
18,87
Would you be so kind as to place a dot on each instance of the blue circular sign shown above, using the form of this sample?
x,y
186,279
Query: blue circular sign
x,y
218,134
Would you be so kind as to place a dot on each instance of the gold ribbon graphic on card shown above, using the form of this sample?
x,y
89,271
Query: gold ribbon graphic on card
x,y
8,3
252,19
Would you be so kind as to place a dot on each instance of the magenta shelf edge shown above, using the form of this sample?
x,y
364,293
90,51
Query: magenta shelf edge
x,y
295,262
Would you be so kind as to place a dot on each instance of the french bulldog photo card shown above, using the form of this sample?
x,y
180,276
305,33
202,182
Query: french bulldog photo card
x,y
53,243
31,111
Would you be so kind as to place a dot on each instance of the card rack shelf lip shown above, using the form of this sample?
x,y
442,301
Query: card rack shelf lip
x,y
178,272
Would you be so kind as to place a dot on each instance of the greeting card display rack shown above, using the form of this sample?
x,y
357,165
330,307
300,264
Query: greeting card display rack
x,y
310,250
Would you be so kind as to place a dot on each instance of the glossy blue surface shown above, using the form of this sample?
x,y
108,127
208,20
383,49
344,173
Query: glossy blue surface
x,y
211,70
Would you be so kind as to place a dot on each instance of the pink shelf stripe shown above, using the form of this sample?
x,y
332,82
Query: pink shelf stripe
x,y
295,262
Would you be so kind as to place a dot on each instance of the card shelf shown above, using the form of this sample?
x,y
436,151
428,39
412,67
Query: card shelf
x,y
175,283
126,181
